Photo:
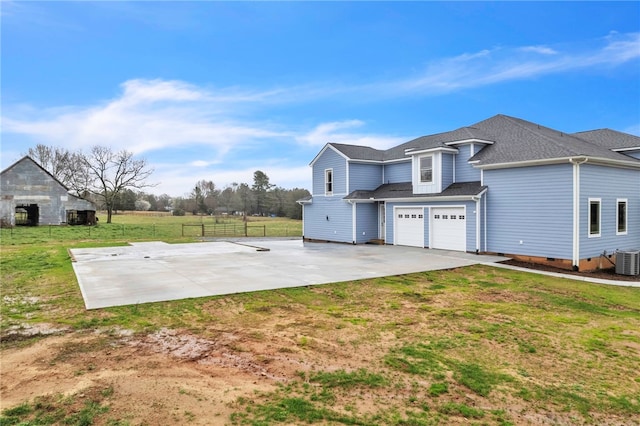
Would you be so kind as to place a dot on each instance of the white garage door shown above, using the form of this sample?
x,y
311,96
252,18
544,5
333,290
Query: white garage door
x,y
409,225
448,228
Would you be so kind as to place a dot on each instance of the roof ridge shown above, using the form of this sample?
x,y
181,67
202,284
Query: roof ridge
x,y
516,122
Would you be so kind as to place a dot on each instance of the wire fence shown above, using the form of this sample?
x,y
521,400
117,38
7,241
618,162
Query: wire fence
x,y
114,231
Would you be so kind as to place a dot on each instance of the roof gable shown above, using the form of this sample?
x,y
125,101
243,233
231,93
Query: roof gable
x,y
507,140
518,140
612,139
33,163
324,149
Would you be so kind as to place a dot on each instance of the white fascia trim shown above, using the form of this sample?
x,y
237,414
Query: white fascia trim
x,y
363,201
429,199
527,163
397,160
322,152
637,148
356,160
617,163
410,151
472,140
592,160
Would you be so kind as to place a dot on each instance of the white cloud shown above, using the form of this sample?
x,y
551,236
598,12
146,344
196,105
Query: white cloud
x,y
148,115
498,65
543,50
335,132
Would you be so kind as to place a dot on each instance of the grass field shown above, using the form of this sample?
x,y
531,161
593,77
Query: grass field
x,y
473,345
151,227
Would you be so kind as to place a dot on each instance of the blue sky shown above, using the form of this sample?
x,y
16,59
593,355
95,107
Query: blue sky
x,y
217,90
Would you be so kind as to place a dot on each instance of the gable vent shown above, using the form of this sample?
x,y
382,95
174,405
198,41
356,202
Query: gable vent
x,y
628,262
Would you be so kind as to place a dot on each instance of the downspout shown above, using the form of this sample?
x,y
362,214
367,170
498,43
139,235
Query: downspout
x,y
477,200
484,219
576,210
353,221
484,211
479,205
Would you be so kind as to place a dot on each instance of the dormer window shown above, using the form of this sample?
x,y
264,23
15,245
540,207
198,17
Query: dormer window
x,y
426,169
328,182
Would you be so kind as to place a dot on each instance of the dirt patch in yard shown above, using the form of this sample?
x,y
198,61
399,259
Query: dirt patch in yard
x,y
447,347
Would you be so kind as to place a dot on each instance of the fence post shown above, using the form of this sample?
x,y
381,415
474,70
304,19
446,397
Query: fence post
x,y
183,229
264,230
245,230
202,228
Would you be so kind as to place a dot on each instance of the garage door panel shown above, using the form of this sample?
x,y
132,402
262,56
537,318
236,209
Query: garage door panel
x,y
448,228
409,224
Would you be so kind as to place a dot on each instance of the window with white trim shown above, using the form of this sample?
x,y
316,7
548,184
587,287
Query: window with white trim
x,y
328,182
426,169
621,216
594,217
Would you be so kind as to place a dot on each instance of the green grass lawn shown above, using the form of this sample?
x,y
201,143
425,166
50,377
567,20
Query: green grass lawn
x,y
463,346
127,227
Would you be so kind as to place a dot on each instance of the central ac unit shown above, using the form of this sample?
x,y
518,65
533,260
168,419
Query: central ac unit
x,y
628,262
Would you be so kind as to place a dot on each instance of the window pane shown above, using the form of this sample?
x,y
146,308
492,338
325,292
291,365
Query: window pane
x,y
328,181
622,216
426,169
594,214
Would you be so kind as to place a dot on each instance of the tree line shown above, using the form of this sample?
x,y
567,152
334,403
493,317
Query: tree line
x,y
115,180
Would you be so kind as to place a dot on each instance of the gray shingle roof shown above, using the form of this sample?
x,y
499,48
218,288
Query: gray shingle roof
x,y
440,140
514,140
359,152
405,190
610,138
519,140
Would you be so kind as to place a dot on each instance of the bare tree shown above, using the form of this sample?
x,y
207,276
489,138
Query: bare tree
x,y
205,195
55,160
109,173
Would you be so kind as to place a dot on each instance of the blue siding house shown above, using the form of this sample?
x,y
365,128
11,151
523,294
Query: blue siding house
x,y
503,185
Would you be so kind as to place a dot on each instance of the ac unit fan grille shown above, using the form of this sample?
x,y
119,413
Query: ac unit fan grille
x,y
628,262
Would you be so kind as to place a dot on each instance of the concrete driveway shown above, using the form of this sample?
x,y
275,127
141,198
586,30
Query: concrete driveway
x,y
156,271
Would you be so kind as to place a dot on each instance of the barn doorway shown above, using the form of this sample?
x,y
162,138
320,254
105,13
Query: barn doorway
x,y
27,215
81,217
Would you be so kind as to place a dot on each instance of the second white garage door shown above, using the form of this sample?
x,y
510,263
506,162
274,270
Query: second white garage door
x,y
448,228
409,227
